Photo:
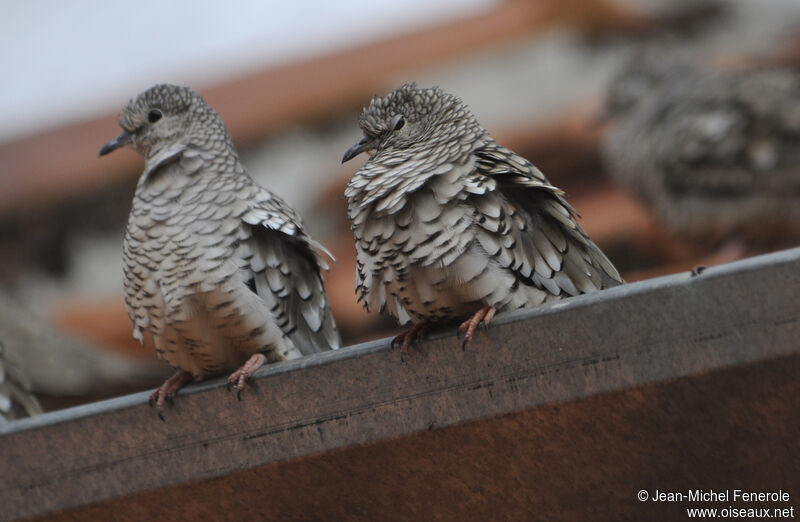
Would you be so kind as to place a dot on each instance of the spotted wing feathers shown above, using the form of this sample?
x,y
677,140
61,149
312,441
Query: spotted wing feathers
x,y
528,227
285,268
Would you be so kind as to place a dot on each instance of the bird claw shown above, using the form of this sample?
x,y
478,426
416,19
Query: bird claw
x,y
241,384
239,379
166,392
468,327
412,336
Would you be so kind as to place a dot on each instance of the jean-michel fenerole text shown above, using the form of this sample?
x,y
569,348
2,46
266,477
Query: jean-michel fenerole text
x,y
723,495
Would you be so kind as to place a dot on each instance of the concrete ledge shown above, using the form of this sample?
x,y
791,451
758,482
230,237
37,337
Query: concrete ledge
x,y
729,335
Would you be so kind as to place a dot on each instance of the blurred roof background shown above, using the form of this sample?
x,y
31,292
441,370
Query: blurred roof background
x,y
289,80
81,58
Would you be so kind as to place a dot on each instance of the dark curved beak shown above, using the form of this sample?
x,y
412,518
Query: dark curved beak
x,y
120,141
356,149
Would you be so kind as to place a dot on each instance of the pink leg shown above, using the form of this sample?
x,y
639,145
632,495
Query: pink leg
x,y
166,391
239,378
408,337
468,327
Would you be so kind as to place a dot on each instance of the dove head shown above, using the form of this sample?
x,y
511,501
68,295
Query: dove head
x,y
168,117
411,117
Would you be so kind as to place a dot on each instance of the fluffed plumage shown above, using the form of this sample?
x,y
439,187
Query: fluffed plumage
x,y
447,222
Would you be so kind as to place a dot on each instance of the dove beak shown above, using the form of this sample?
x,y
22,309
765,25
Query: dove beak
x,y
120,141
358,148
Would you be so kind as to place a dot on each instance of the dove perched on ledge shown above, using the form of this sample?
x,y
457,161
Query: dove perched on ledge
x,y
448,224
217,270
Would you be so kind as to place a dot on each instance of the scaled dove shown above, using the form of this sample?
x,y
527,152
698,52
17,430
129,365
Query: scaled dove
x,y
448,224
217,270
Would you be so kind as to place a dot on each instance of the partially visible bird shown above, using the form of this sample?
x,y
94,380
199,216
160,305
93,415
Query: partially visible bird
x,y
645,69
449,224
716,154
217,270
16,398
58,364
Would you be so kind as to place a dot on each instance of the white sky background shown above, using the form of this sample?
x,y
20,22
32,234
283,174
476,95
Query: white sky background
x,y
68,61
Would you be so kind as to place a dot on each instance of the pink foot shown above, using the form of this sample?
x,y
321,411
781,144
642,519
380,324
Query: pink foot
x,y
166,392
485,315
407,338
239,378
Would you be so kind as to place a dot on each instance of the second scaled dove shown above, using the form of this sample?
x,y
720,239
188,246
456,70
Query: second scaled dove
x,y
448,224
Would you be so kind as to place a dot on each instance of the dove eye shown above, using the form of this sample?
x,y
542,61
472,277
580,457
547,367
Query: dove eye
x,y
398,122
154,115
